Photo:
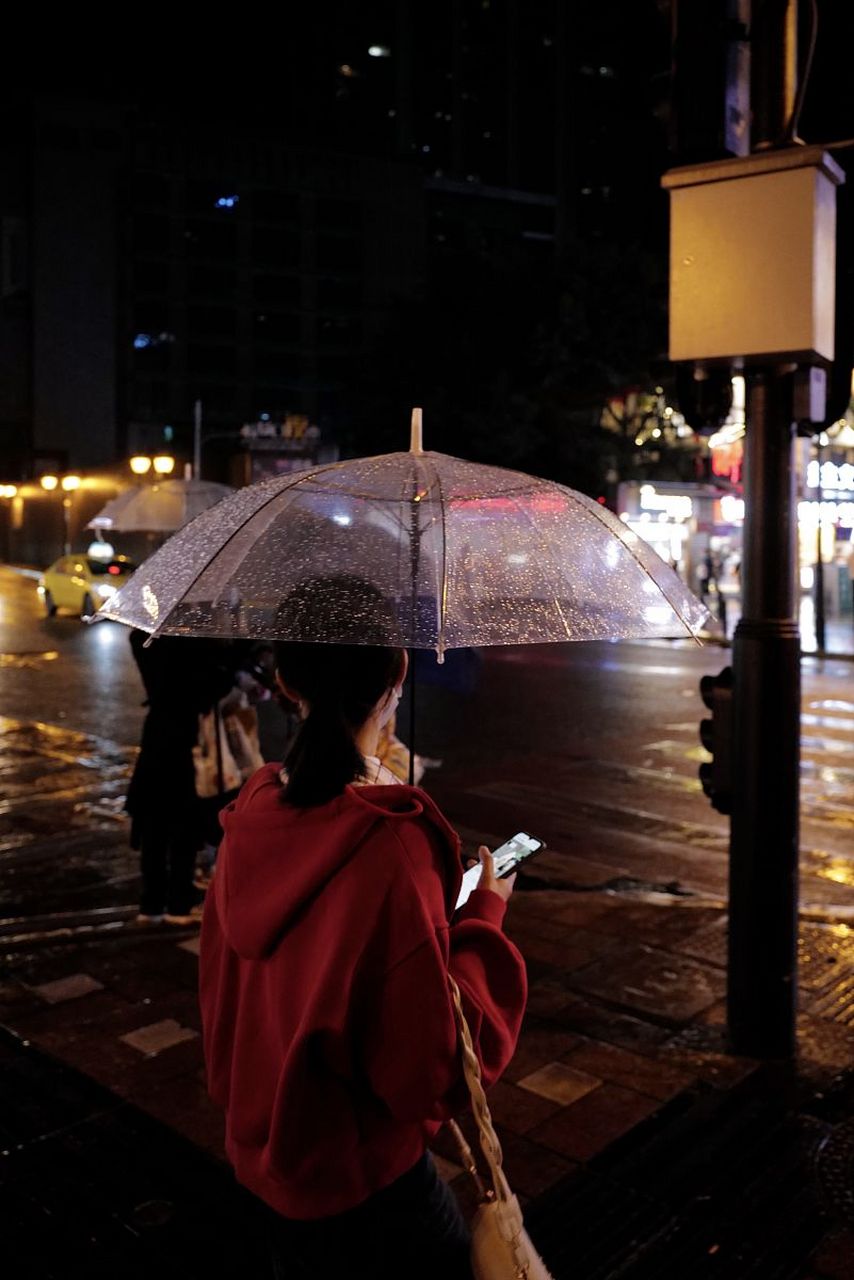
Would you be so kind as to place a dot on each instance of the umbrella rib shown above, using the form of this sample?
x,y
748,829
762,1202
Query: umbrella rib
x,y
545,544
443,592
299,480
619,533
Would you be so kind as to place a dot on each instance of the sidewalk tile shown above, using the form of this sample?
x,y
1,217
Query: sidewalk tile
x,y
16,999
560,1083
519,1108
549,994
650,1076
531,1168
600,1023
582,912
656,982
715,1015
74,1018
562,954
72,987
583,1130
538,1044
707,943
158,1036
824,1044
182,1102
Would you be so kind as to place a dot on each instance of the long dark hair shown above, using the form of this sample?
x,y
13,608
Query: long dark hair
x,y
340,682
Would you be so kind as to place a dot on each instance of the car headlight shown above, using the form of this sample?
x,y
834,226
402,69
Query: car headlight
x,y
105,590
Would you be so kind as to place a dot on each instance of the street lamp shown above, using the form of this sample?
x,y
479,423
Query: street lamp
x,y
162,464
69,485
49,483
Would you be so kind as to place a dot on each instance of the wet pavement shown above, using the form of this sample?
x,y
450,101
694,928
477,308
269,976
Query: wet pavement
x,y
622,923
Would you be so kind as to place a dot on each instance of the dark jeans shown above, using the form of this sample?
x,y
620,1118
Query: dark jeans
x,y
167,857
412,1230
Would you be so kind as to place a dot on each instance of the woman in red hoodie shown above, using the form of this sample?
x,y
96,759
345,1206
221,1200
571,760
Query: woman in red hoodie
x,y
329,1031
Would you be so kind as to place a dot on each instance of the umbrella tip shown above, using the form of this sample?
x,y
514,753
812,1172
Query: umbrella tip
x,y
415,441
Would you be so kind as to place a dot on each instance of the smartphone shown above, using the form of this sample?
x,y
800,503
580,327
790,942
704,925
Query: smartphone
x,y
508,857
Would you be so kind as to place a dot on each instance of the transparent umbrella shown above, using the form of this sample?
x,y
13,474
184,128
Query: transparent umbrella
x,y
459,555
158,508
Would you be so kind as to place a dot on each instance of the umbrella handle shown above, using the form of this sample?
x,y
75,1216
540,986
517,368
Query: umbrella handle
x,y
415,440
411,653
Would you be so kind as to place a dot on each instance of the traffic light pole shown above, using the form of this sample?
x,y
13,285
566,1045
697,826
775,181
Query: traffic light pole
x,y
766,660
764,830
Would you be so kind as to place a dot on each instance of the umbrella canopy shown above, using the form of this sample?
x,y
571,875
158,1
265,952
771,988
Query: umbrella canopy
x,y
158,508
459,555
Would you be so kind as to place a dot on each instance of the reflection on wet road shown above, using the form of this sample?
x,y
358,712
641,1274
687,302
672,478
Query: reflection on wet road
x,y
594,747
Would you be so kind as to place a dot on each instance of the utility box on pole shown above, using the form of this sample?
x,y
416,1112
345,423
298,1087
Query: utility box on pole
x,y
753,257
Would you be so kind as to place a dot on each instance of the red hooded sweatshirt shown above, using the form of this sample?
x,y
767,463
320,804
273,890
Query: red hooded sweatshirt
x,y
329,1031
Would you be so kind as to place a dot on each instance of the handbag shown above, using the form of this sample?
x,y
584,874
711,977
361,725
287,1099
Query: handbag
x,y
501,1248
216,771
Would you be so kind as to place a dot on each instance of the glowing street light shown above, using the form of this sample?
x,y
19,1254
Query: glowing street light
x,y
8,490
49,483
70,483
164,464
140,465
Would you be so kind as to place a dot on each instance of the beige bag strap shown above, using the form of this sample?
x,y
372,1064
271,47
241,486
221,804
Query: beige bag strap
x,y
487,1136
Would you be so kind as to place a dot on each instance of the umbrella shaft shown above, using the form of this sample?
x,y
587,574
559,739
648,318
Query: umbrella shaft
x,y
412,717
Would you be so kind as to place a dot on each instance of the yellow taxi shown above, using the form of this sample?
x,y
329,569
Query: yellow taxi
x,y
82,583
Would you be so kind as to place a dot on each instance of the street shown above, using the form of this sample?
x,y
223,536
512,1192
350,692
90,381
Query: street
x,y
593,748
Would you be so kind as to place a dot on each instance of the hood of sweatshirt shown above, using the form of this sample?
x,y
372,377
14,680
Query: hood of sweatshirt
x,y
275,858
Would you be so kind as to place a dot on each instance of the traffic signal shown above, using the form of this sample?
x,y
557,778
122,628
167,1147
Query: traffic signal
x,y
716,736
704,396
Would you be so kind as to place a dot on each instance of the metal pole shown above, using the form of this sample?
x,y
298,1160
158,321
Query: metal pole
x,y
764,833
766,659
820,621
66,525
197,440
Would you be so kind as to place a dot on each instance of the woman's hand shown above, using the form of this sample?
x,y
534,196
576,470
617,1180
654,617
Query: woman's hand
x,y
489,880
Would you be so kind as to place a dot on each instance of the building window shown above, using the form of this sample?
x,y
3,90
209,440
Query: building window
x,y
214,361
339,253
151,191
338,215
214,239
151,277
338,331
152,234
339,294
284,290
275,248
280,366
275,206
212,282
277,327
211,322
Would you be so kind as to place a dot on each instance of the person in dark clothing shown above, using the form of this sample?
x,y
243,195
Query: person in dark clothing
x,y
183,679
